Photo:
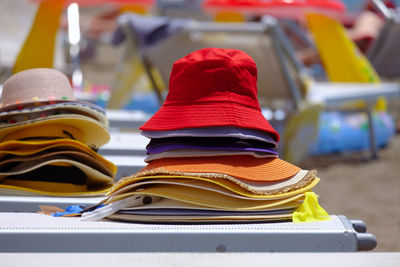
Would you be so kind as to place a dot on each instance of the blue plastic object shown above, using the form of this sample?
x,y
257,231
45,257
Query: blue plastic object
x,y
145,101
70,210
341,132
75,210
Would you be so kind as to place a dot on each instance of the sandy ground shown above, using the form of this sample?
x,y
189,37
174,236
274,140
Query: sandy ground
x,y
368,190
362,188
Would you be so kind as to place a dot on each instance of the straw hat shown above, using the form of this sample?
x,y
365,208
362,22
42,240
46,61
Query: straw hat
x,y
44,97
244,167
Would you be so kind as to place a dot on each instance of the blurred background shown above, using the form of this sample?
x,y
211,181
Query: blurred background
x,y
118,54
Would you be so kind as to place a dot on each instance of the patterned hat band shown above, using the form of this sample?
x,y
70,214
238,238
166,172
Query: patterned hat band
x,y
37,102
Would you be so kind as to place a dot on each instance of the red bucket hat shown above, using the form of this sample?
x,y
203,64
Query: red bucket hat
x,y
211,87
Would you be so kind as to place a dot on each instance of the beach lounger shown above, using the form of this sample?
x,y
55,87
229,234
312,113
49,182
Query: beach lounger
x,y
30,232
283,82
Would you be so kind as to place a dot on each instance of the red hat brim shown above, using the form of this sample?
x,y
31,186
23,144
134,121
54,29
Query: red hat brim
x,y
208,114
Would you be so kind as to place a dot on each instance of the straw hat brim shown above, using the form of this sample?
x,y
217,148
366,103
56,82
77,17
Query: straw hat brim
x,y
89,131
209,198
93,176
299,183
74,107
21,164
244,167
35,104
19,149
38,188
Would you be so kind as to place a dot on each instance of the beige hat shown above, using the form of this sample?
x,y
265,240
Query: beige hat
x,y
43,97
37,86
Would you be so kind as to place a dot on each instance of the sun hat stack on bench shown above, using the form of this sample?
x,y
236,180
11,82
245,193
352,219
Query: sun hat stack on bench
x,y
48,139
212,155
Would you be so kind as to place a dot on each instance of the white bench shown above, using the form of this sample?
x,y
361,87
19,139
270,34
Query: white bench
x,y
30,232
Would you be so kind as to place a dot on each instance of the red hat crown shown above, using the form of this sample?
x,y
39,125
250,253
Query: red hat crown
x,y
214,75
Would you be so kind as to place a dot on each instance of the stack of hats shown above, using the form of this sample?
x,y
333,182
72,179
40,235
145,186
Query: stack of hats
x,y
212,155
48,139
